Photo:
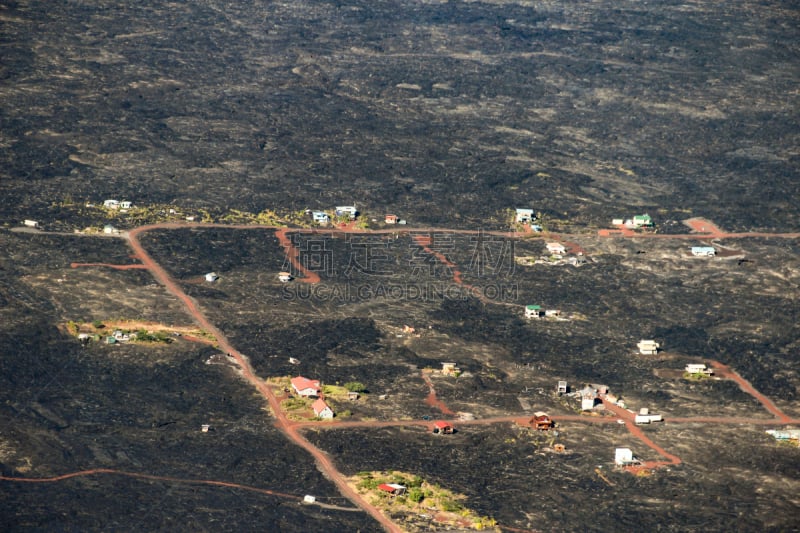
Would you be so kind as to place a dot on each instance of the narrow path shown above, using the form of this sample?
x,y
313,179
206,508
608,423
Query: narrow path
x,y
325,464
151,477
108,265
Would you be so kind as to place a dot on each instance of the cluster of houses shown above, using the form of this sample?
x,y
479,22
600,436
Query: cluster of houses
x,y
311,388
341,212
118,336
636,222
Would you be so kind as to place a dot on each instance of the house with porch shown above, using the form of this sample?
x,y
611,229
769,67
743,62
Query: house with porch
x,y
698,368
648,347
390,219
556,248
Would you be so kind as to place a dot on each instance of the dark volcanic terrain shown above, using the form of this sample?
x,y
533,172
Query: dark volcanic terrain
x,y
445,112
448,114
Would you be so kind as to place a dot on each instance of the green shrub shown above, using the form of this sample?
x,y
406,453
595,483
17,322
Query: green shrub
x,y
355,386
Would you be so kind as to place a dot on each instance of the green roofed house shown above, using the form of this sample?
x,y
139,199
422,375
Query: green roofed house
x,y
642,221
533,311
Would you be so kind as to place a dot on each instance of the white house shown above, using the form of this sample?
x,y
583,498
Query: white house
x,y
698,368
321,217
212,277
125,204
648,347
349,210
111,204
556,248
524,215
284,277
623,456
617,222
533,311
646,419
110,230
703,251
31,223
322,409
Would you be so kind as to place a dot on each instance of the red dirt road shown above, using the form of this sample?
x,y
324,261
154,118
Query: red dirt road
x,y
637,432
705,230
432,400
293,254
728,372
324,463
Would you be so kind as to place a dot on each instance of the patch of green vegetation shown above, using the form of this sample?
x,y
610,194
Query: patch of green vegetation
x,y
355,386
143,335
294,404
418,493
697,376
334,391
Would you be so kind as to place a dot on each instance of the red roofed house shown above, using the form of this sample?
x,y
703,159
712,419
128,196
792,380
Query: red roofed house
x,y
442,428
306,387
392,488
322,409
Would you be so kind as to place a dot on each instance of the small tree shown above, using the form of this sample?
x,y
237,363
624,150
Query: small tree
x,y
415,494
